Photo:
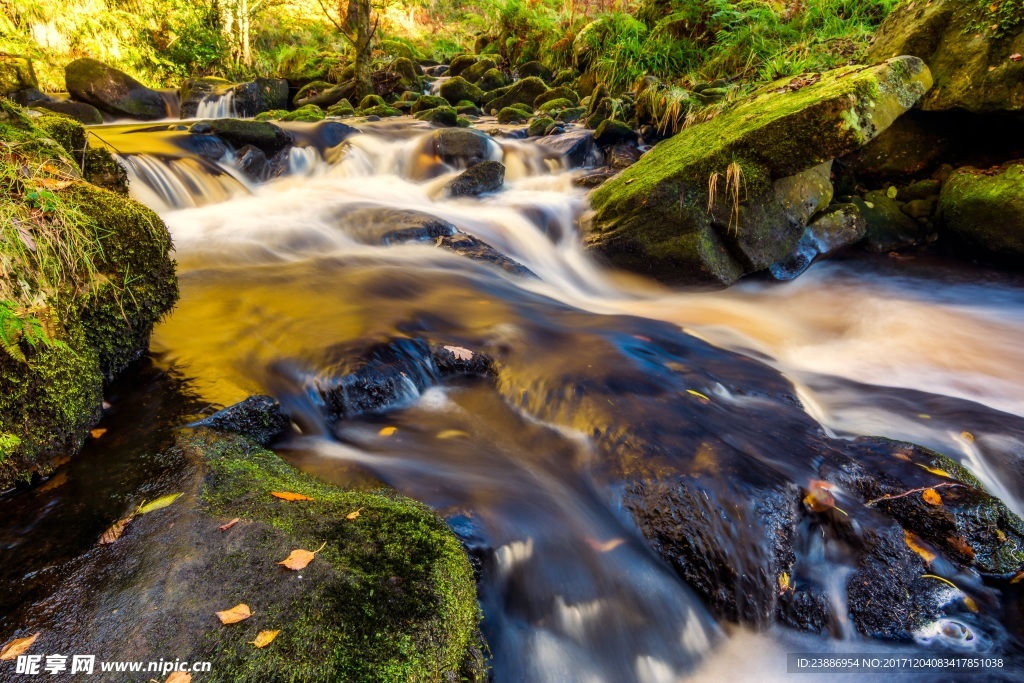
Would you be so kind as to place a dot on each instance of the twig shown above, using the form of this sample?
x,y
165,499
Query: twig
x,y
871,503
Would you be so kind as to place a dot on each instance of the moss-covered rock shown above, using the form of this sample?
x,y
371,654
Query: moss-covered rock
x,y
343,108
390,596
460,63
571,114
266,136
552,106
476,72
967,44
440,116
520,92
382,110
611,131
537,70
467,109
457,89
112,91
408,70
81,112
428,102
311,89
371,101
398,49
512,115
539,126
116,279
310,113
562,92
888,228
655,218
16,73
986,210
492,80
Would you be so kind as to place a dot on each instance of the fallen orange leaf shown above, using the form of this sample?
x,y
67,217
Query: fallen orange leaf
x,y
819,496
388,431
179,677
55,482
915,544
97,433
288,495
265,638
931,496
1018,578
114,533
239,612
225,527
17,647
299,559
353,515
961,544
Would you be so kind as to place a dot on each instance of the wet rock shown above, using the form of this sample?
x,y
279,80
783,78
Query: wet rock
x,y
535,69
460,64
576,147
425,102
252,162
326,98
194,91
797,261
914,143
839,227
919,208
112,91
440,116
610,132
888,228
789,127
478,179
458,147
539,126
259,418
623,155
376,225
922,189
476,72
393,592
237,133
968,58
804,194
81,112
594,178
560,93
985,210
478,250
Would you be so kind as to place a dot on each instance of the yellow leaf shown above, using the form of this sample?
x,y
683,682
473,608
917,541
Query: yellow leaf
x,y
179,677
970,604
114,533
784,584
97,433
298,559
159,503
265,638
288,495
15,648
51,184
932,497
452,434
225,527
460,353
891,192
915,544
967,436
819,498
935,470
697,394
388,431
239,612
353,515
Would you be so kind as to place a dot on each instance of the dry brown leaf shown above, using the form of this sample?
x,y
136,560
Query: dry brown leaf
x,y
961,545
288,495
1018,578
15,648
932,497
179,677
114,533
388,431
55,482
97,433
605,546
353,515
460,353
917,545
225,527
265,638
239,612
1015,57
51,184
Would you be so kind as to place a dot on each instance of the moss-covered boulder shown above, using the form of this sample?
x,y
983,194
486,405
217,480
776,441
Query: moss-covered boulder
x,y
552,106
115,92
440,116
968,45
660,217
520,92
562,92
985,210
325,98
474,73
428,102
408,71
16,73
458,89
343,108
492,80
535,69
97,275
389,596
311,89
309,113
539,126
266,136
512,115
460,63
81,112
381,110
371,101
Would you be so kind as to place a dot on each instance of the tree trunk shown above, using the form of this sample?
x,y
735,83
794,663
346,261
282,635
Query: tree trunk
x,y
243,37
363,47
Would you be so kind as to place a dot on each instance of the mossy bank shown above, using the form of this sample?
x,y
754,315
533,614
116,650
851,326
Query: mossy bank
x,y
389,597
86,272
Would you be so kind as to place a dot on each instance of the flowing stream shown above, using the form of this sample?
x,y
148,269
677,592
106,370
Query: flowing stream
x,y
283,287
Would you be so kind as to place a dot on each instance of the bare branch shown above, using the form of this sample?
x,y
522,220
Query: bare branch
x,y
872,503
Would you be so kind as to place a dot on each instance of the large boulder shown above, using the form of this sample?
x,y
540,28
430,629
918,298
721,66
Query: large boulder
x,y
487,176
112,91
985,210
968,46
194,91
701,208
520,92
260,95
68,336
458,89
81,112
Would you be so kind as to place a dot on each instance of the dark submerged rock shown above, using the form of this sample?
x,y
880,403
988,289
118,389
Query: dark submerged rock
x,y
259,418
481,178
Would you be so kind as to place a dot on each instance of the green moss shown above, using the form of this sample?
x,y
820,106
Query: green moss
x,y
342,108
554,105
521,92
560,93
381,110
272,115
440,116
393,599
985,211
371,101
645,214
512,115
571,114
309,113
457,89
428,102
311,88
539,126
8,444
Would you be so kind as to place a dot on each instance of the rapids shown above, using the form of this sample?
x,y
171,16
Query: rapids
x,y
280,288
